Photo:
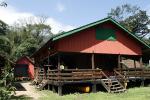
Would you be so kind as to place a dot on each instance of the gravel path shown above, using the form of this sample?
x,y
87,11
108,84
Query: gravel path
x,y
27,90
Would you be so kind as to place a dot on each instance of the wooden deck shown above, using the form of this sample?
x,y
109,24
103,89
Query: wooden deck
x,y
59,78
67,76
90,75
135,73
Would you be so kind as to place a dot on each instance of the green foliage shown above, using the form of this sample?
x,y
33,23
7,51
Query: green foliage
x,y
6,83
4,41
23,40
28,38
17,41
4,94
133,18
4,46
3,28
147,41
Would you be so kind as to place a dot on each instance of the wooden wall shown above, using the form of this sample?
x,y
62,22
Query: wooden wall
x,y
85,41
24,60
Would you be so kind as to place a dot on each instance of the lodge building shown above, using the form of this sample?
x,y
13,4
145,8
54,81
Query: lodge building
x,y
102,52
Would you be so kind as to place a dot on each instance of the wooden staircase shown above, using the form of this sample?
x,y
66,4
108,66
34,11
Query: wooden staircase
x,y
112,85
42,84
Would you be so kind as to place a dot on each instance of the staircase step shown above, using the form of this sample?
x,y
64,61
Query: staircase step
x,y
116,88
118,91
113,85
42,84
111,81
106,80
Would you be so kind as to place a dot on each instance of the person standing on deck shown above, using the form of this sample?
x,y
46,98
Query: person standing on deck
x,y
62,66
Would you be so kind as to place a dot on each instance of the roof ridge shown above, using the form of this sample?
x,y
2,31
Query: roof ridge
x,y
78,27
83,26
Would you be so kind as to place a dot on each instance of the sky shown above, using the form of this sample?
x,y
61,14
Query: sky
x,y
64,15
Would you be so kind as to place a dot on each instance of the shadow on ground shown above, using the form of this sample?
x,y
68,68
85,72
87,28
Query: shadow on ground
x,y
21,97
19,87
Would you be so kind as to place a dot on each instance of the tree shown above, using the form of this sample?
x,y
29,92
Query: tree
x,y
28,35
133,18
3,4
6,77
4,41
3,28
24,37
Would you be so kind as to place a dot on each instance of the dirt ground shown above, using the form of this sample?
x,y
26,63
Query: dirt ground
x,y
25,88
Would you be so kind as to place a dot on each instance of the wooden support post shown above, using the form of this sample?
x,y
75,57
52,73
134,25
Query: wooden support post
x,y
60,90
92,60
142,83
53,89
141,63
134,63
119,60
37,70
48,60
134,67
45,73
58,66
94,88
48,87
141,66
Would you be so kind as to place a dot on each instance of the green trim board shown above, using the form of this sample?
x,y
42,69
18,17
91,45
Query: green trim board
x,y
105,34
64,34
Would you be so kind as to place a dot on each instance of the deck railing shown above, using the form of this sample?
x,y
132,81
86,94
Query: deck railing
x,y
75,74
135,72
41,74
92,74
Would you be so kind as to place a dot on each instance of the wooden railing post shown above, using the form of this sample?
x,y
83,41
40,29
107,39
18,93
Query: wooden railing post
x,y
94,87
92,60
93,65
141,66
135,67
60,90
142,73
48,60
134,63
59,70
141,63
119,62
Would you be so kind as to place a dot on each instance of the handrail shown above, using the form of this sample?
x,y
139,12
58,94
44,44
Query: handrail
x,y
122,76
104,74
122,63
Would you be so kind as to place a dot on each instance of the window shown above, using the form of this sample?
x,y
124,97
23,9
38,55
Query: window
x,y
105,34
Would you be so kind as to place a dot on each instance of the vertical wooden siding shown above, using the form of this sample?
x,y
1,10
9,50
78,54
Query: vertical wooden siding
x,y
85,41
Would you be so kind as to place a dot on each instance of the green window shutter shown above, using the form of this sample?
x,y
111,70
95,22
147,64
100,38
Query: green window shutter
x,y
105,34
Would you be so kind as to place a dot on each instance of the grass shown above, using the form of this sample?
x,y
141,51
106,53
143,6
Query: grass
x,y
141,93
